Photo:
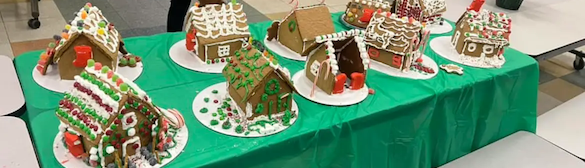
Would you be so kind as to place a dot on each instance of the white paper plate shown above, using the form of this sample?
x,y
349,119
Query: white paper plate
x,y
440,29
180,55
443,47
69,161
427,61
281,50
205,118
348,97
52,81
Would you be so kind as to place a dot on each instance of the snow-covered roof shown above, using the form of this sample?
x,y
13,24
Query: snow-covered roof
x,y
391,33
214,21
487,27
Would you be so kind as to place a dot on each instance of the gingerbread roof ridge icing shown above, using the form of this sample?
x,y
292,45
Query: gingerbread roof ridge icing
x,y
376,3
90,22
213,21
312,21
487,27
358,36
391,33
239,74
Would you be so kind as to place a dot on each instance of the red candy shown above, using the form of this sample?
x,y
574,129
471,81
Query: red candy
x,y
98,66
117,121
119,81
215,101
129,120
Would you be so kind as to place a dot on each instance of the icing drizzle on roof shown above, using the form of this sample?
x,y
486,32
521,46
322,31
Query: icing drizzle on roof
x,y
213,21
87,21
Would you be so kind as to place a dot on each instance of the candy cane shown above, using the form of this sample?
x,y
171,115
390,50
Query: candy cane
x,y
179,117
326,62
424,39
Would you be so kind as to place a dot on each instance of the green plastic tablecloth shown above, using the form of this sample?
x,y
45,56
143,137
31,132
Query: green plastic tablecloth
x,y
405,124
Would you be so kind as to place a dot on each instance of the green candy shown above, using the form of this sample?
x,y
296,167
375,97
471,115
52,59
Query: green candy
x,y
120,116
214,91
123,87
123,62
132,61
92,137
106,138
222,118
102,24
214,114
144,110
105,69
214,122
206,100
135,104
238,120
208,62
204,110
228,99
239,129
115,78
51,45
226,125
114,126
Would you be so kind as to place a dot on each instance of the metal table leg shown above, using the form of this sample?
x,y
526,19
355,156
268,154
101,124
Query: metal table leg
x,y
34,23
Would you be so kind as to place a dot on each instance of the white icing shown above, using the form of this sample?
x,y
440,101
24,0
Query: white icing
x,y
212,23
131,132
92,122
93,150
110,149
401,40
88,100
62,127
357,36
132,140
104,77
249,111
429,11
93,157
168,116
125,125
94,16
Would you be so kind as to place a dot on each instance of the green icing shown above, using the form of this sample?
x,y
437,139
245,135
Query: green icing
x,y
264,97
259,108
214,114
206,100
239,129
286,118
214,91
214,122
270,109
226,124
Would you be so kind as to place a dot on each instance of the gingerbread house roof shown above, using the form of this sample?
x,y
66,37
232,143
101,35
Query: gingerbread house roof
x,y
383,4
329,39
99,93
218,22
248,69
487,27
433,7
90,23
392,34
313,21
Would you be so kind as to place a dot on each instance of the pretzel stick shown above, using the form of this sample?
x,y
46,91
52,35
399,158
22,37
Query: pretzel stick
x,y
326,62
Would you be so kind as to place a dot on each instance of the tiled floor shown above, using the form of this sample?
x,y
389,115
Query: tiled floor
x,y
559,82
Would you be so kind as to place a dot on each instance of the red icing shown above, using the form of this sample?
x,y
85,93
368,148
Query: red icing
x,y
83,54
357,80
373,52
339,83
367,15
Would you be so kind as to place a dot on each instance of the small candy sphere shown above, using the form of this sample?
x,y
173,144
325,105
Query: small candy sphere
x,y
105,69
102,24
101,31
67,26
51,45
65,35
98,66
83,14
90,62
56,37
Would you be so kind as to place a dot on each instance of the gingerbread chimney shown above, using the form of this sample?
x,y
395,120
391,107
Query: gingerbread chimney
x,y
476,5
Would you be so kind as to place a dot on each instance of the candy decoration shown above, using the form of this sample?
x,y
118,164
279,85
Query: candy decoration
x,y
67,27
196,4
132,61
98,66
110,74
88,4
357,80
119,81
56,37
327,67
65,35
371,91
90,62
339,83
83,14
124,87
101,31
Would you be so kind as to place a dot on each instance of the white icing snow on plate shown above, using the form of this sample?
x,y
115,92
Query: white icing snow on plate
x,y
205,118
442,46
427,61
281,50
180,55
440,29
69,161
348,97
52,81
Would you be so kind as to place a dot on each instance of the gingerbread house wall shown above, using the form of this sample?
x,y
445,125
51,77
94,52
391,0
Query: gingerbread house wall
x,y
67,70
388,58
360,13
458,37
212,49
260,90
326,79
290,39
349,59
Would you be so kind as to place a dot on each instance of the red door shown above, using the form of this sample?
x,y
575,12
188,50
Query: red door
x,y
191,41
368,13
339,83
74,144
83,54
397,60
357,80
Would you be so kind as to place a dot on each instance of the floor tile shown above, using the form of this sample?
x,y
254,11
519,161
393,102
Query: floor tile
x,y
336,2
546,103
337,8
554,69
545,77
576,78
3,34
144,17
22,11
134,4
6,49
277,16
302,2
68,7
269,6
127,33
561,89
19,31
257,18
25,46
249,10
564,60
150,30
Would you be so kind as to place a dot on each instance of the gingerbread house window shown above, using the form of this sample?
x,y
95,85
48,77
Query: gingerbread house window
x,y
315,68
471,47
223,51
454,40
488,49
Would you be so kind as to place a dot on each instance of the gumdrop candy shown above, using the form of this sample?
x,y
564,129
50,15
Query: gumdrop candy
x,y
90,62
98,66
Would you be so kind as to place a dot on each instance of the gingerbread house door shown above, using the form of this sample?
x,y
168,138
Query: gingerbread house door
x,y
191,40
83,53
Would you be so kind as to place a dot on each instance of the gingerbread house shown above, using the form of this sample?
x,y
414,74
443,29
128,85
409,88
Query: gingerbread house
x,y
394,41
359,12
108,120
260,88
297,31
481,35
426,11
338,60
88,36
216,31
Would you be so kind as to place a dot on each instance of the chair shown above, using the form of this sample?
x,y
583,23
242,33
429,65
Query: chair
x,y
519,150
16,149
